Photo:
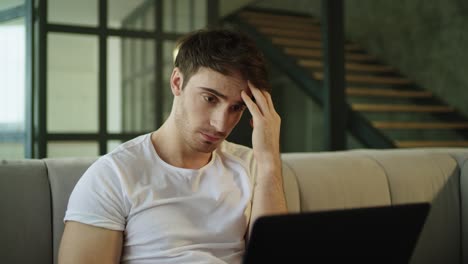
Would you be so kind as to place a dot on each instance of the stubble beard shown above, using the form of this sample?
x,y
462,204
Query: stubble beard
x,y
191,136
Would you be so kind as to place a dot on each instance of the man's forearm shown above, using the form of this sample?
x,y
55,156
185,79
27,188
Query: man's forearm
x,y
268,194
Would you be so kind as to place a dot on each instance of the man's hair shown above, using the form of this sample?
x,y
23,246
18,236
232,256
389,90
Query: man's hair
x,y
224,51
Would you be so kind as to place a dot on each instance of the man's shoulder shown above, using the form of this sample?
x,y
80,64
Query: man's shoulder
x,y
133,145
127,153
230,149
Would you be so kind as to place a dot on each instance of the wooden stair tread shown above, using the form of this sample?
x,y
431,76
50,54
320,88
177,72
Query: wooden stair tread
x,y
377,79
349,66
290,33
401,108
289,18
357,91
419,125
301,37
266,22
368,79
296,42
421,144
304,43
317,53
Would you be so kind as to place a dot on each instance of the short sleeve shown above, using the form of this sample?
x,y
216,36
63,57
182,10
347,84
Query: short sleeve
x,y
98,198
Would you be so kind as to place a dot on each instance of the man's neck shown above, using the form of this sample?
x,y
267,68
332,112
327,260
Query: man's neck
x,y
173,150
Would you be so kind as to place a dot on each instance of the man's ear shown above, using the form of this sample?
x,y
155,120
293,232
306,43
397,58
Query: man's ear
x,y
177,81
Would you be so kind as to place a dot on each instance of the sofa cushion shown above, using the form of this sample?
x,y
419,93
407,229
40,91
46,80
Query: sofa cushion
x,y
338,180
26,232
421,175
63,174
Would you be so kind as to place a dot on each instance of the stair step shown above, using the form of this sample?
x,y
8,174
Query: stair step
x,y
422,144
317,53
401,108
357,91
369,79
419,125
284,18
315,35
317,64
301,38
303,43
267,22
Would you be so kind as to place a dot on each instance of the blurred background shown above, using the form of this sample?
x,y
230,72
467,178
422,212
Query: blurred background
x,y
78,78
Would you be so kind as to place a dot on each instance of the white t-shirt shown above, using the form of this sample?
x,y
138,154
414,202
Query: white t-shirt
x,y
169,214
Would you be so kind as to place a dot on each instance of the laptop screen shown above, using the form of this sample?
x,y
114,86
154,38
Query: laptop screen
x,y
385,234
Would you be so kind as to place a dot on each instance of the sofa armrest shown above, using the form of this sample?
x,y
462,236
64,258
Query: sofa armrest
x,y
26,232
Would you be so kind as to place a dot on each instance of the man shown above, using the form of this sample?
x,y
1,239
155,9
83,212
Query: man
x,y
183,194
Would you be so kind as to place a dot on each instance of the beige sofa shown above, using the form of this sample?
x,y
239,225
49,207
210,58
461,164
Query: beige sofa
x,y
34,195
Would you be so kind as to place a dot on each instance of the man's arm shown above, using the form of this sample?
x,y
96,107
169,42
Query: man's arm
x,y
83,243
268,194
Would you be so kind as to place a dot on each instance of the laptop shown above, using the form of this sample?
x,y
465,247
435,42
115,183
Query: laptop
x,y
385,234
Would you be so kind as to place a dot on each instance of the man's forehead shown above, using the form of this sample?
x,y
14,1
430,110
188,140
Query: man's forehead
x,y
222,95
212,79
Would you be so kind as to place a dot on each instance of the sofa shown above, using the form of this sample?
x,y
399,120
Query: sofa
x,y
34,195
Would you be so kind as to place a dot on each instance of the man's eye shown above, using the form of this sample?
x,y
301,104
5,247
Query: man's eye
x,y
238,108
209,99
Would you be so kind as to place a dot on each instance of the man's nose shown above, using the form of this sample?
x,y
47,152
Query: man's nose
x,y
220,120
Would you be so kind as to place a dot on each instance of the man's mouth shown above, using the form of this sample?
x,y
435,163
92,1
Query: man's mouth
x,y
210,138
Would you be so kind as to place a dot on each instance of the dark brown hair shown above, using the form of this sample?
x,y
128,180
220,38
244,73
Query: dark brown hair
x,y
224,51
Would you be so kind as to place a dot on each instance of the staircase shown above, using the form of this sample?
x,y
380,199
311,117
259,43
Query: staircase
x,y
386,109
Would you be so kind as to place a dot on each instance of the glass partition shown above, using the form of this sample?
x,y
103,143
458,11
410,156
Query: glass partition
x,y
12,88
57,149
85,12
131,84
72,78
134,14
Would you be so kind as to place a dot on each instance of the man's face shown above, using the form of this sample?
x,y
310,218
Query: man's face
x,y
208,108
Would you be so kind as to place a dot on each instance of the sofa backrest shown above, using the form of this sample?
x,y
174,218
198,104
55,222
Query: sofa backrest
x,y
463,163
312,181
362,178
63,174
25,213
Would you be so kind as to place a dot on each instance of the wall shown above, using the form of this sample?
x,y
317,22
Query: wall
x,y
426,40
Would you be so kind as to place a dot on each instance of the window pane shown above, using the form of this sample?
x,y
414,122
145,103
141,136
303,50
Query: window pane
x,y
72,149
176,16
12,89
148,106
182,16
72,83
113,144
131,75
135,14
114,90
11,148
83,12
200,15
168,48
10,4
